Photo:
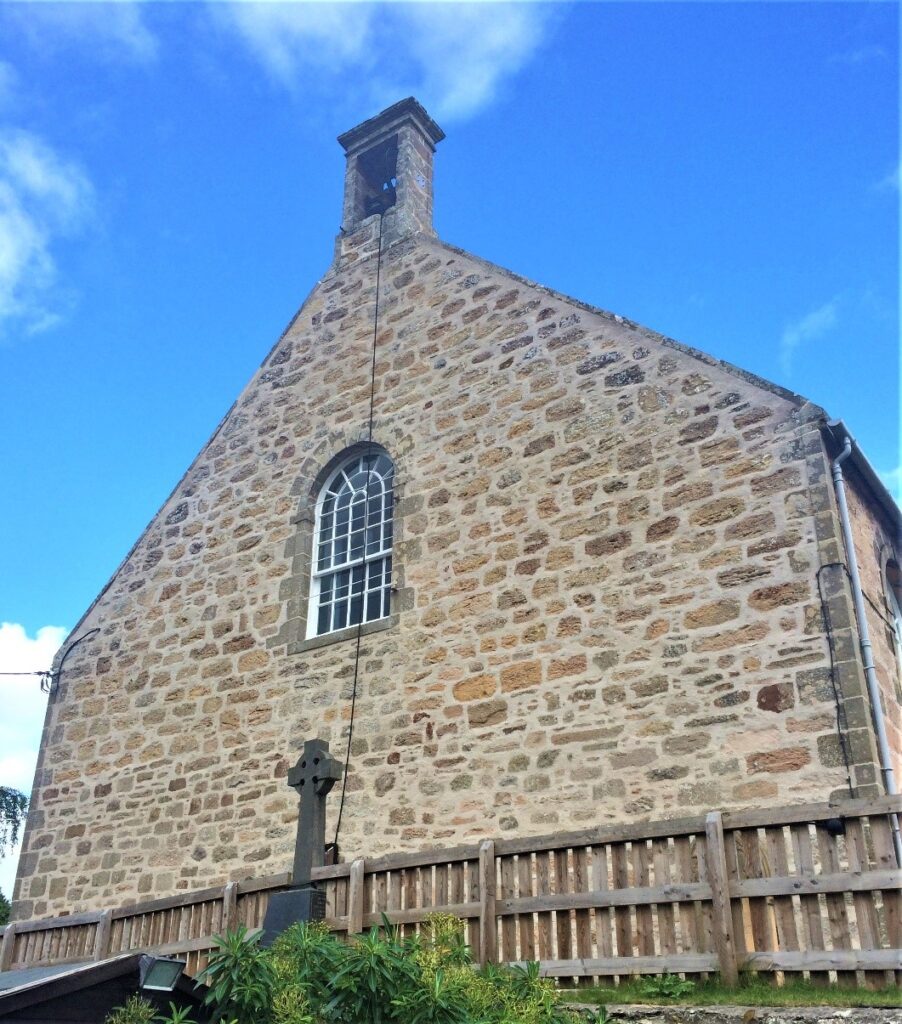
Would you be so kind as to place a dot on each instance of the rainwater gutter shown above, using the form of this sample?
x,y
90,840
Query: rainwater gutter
x,y
864,638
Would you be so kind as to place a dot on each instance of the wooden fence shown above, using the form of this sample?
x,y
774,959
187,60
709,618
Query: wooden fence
x,y
773,891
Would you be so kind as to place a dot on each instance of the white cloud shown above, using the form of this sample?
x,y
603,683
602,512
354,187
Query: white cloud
x,y
23,713
42,197
860,55
116,31
893,181
452,56
464,51
809,328
289,38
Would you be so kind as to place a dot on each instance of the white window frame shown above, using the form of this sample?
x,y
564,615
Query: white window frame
x,y
326,571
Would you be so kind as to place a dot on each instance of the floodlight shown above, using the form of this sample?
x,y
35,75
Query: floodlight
x,y
160,973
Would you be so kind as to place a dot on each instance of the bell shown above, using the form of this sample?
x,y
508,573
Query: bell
x,y
380,201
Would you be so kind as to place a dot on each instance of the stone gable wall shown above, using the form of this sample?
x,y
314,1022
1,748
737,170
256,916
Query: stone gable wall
x,y
875,544
606,604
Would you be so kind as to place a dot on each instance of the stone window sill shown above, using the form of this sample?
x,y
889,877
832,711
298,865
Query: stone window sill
x,y
340,635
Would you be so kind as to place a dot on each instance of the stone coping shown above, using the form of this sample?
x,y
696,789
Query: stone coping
x,y
641,1014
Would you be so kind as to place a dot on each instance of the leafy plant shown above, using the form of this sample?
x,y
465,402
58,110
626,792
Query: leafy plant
x,y
309,977
667,986
599,1016
375,971
305,957
176,1015
4,909
136,1010
435,1002
13,809
240,977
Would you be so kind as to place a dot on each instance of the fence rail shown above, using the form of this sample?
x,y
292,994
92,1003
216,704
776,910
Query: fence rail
x,y
777,892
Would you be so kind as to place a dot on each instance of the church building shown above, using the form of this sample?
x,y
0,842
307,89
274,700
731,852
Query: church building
x,y
527,566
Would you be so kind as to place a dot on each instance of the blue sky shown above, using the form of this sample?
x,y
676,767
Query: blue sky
x,y
170,187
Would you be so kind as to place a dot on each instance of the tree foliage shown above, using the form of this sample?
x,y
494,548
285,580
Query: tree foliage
x,y
4,909
13,808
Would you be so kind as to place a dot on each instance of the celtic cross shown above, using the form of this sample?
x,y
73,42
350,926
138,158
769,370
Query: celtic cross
x,y
315,773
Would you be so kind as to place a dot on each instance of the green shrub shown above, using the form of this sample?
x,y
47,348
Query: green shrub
x,y
667,986
310,977
137,1010
240,978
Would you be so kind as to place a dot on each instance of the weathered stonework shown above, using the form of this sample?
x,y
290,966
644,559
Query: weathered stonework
x,y
606,604
876,544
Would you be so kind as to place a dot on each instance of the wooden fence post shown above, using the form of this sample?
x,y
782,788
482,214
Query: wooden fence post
x,y
716,860
488,928
229,907
7,947
355,897
102,935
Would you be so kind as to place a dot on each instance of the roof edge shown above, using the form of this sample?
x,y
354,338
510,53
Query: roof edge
x,y
839,432
736,371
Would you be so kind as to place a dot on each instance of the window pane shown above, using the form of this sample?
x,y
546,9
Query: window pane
x,y
322,622
354,524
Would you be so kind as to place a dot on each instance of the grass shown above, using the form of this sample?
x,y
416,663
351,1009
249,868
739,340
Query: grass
x,y
751,992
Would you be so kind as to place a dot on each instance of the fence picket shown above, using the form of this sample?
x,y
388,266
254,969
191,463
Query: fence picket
x,y
622,924
603,936
812,911
645,925
840,936
543,888
766,893
688,912
582,918
525,922
865,910
509,921
666,929
787,935
885,857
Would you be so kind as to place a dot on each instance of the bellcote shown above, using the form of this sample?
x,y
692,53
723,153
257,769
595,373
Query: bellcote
x,y
388,177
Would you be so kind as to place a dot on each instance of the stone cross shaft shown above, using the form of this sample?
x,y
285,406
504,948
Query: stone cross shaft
x,y
315,773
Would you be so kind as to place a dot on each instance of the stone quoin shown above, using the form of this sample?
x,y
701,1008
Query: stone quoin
x,y
610,592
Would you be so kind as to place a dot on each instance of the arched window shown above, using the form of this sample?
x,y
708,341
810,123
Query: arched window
x,y
350,581
894,599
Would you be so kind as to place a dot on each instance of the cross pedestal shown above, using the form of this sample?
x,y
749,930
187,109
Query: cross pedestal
x,y
314,775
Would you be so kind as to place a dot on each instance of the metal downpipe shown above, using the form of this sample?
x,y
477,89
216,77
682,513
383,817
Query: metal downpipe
x,y
864,637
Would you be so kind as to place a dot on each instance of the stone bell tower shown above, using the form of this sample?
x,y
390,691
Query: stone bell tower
x,y
388,180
